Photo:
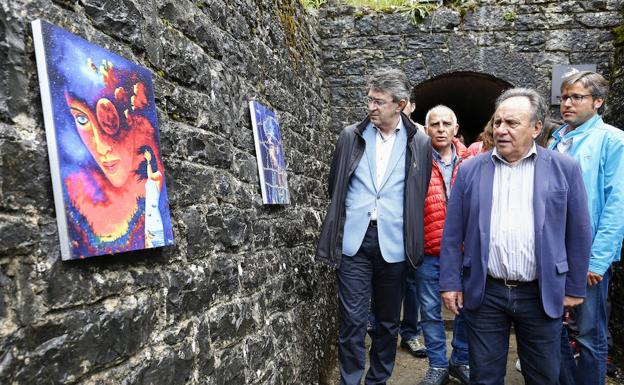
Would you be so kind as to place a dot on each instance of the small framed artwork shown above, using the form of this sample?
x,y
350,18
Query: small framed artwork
x,y
107,173
270,155
560,71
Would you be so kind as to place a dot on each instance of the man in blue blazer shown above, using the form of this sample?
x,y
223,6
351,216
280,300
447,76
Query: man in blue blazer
x,y
516,245
373,230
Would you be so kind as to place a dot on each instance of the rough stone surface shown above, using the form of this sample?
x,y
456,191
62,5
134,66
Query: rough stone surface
x,y
239,298
516,41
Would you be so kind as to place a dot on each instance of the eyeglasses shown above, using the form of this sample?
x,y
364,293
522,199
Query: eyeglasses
x,y
576,98
376,102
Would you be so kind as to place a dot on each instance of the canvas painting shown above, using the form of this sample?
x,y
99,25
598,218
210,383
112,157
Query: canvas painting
x,y
270,155
108,177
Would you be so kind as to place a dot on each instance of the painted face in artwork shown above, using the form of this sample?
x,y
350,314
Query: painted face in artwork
x,y
100,132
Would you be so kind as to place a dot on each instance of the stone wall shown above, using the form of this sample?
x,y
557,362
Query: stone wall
x,y
516,41
239,299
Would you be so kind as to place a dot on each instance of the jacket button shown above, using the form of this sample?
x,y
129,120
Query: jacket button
x,y
378,196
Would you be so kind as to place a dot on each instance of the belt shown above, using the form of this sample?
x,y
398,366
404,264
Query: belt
x,y
372,223
512,283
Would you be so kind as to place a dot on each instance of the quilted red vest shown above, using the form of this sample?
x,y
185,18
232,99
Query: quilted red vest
x,y
436,200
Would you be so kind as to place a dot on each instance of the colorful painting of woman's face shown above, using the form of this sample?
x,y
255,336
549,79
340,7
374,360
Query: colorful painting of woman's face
x,y
99,131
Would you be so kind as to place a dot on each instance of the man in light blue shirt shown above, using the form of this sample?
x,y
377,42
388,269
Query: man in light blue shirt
x,y
599,148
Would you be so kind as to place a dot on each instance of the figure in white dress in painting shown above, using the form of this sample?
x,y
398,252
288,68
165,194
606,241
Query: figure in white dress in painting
x,y
154,232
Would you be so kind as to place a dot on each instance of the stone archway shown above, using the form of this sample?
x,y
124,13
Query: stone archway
x,y
470,94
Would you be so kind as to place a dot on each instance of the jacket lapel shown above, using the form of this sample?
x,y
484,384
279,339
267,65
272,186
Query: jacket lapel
x,y
397,151
486,181
369,135
540,188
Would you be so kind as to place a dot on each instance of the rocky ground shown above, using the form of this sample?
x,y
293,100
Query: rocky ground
x,y
410,370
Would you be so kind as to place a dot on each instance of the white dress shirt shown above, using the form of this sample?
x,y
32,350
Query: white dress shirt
x,y
384,143
512,236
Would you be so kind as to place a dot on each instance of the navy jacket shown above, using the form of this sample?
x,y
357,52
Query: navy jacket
x,y
349,150
562,230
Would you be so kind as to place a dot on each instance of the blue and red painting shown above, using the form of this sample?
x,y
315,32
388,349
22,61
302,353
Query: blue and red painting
x,y
103,140
269,154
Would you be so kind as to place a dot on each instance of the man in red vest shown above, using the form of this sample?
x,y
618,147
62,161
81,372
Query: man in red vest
x,y
447,154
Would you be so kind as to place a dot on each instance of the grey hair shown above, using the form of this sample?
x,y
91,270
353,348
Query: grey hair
x,y
392,81
538,105
595,83
440,108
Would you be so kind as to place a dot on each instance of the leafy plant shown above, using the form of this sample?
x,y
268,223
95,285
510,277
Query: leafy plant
x,y
418,10
510,16
316,4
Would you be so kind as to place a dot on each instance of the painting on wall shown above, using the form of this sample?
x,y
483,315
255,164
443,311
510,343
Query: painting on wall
x,y
102,131
270,155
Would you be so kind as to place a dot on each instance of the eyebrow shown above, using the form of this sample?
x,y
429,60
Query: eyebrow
x,y
78,109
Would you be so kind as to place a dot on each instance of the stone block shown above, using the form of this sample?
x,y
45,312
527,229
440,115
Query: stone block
x,y
175,367
366,25
573,41
489,18
16,235
600,20
425,41
231,322
122,19
62,349
230,369
24,171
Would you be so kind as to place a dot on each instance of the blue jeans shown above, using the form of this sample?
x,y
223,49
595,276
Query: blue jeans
x,y
428,286
410,325
538,336
592,320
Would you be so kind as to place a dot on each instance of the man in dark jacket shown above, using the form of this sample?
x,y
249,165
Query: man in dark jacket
x,y
373,230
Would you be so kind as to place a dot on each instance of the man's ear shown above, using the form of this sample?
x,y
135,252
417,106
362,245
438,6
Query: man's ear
x,y
598,102
456,130
402,104
538,129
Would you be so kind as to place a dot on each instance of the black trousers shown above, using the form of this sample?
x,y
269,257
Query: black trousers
x,y
358,275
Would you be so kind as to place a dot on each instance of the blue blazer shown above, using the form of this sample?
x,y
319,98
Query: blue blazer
x,y
562,230
363,196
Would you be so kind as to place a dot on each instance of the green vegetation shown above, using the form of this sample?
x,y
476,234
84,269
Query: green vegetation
x,y
510,16
313,3
418,10
618,33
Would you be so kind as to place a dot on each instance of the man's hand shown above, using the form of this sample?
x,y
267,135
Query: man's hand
x,y
453,300
593,278
572,301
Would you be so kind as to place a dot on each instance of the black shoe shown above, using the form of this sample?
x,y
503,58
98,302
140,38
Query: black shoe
x,y
460,372
435,376
414,346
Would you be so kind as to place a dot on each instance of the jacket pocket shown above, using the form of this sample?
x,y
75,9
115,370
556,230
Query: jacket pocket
x,y
562,267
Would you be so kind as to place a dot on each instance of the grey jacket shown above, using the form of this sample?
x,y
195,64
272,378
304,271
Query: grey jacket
x,y
347,155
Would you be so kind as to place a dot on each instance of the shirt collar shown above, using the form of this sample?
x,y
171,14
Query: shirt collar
x,y
562,132
438,158
398,127
532,152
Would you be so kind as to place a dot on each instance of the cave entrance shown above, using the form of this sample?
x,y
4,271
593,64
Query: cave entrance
x,y
470,94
